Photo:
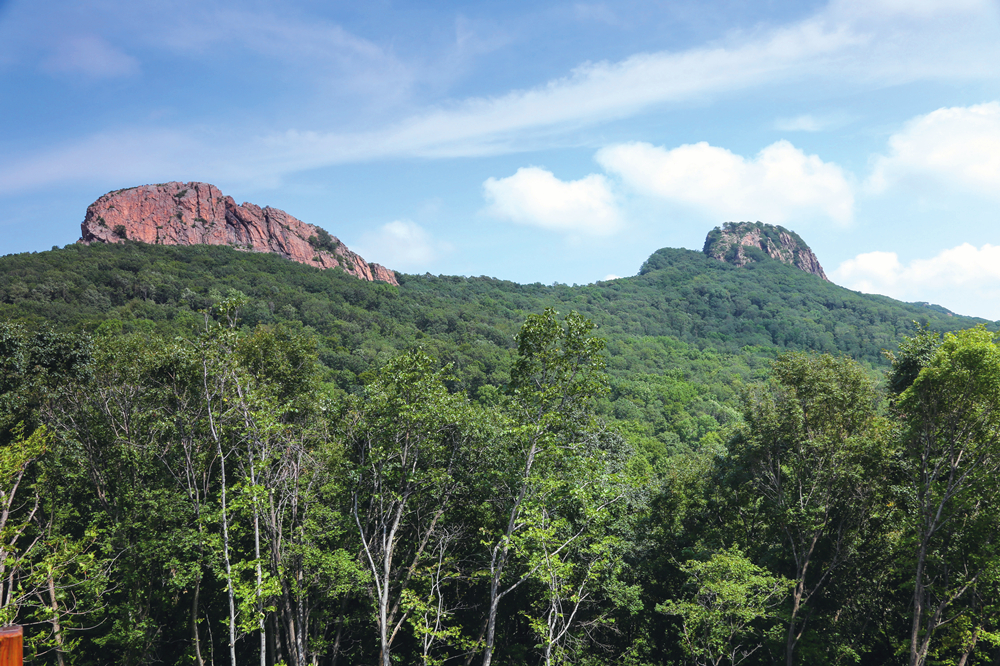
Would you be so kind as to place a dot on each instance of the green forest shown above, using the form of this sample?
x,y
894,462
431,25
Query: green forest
x,y
219,457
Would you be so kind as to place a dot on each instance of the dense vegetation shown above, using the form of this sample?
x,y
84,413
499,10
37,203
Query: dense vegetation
x,y
680,335
209,456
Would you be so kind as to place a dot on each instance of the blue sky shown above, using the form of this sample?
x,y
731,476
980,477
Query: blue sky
x,y
533,141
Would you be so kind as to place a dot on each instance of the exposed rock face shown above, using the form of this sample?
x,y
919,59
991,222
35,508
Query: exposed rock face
x,y
199,214
740,243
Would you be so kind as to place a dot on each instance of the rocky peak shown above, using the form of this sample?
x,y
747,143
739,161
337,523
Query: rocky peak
x,y
199,214
740,243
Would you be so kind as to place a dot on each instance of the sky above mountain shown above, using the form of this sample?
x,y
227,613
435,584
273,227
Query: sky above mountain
x,y
533,141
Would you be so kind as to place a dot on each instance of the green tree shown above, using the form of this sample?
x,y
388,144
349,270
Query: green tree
x,y
813,442
49,572
951,415
915,352
19,535
552,466
732,608
409,438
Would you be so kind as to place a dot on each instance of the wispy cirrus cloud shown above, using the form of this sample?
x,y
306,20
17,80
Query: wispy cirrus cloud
x,y
90,56
848,44
808,122
129,156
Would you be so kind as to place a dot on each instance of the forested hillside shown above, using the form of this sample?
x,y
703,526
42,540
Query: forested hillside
x,y
678,293
212,456
679,335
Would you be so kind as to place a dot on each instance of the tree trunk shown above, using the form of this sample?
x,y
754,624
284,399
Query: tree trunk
x,y
229,568
56,627
291,642
491,624
790,640
195,637
303,620
918,606
277,653
969,648
225,516
340,631
498,563
260,575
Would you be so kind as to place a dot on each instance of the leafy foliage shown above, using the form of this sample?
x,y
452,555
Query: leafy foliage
x,y
324,241
210,455
732,609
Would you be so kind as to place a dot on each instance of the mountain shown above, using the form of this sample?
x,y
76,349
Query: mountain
x,y
139,366
683,294
740,243
681,335
199,214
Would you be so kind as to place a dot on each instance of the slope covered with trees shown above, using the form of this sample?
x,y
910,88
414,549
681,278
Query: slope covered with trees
x,y
678,334
218,457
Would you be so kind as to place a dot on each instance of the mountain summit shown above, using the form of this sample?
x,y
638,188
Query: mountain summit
x,y
199,214
740,243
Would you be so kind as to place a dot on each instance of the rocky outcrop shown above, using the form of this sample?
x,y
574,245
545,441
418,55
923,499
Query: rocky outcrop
x,y
740,243
199,214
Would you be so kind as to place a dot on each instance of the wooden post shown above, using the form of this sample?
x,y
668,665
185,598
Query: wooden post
x,y
11,652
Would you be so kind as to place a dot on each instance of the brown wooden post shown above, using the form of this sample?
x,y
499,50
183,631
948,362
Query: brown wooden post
x,y
11,652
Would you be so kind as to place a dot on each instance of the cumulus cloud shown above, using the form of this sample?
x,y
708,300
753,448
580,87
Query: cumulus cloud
x,y
958,146
401,245
90,56
780,183
965,279
535,197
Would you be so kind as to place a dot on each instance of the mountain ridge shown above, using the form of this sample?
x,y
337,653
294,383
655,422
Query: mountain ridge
x,y
740,243
680,293
197,213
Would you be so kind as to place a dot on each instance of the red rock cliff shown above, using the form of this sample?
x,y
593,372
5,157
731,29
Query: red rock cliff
x,y
737,242
199,214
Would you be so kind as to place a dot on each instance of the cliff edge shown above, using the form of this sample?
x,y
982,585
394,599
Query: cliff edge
x,y
199,214
740,243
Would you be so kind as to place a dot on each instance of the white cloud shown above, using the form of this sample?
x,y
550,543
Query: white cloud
x,y
958,146
323,50
90,56
779,184
535,197
400,245
850,44
913,8
965,279
595,11
871,272
806,123
127,158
